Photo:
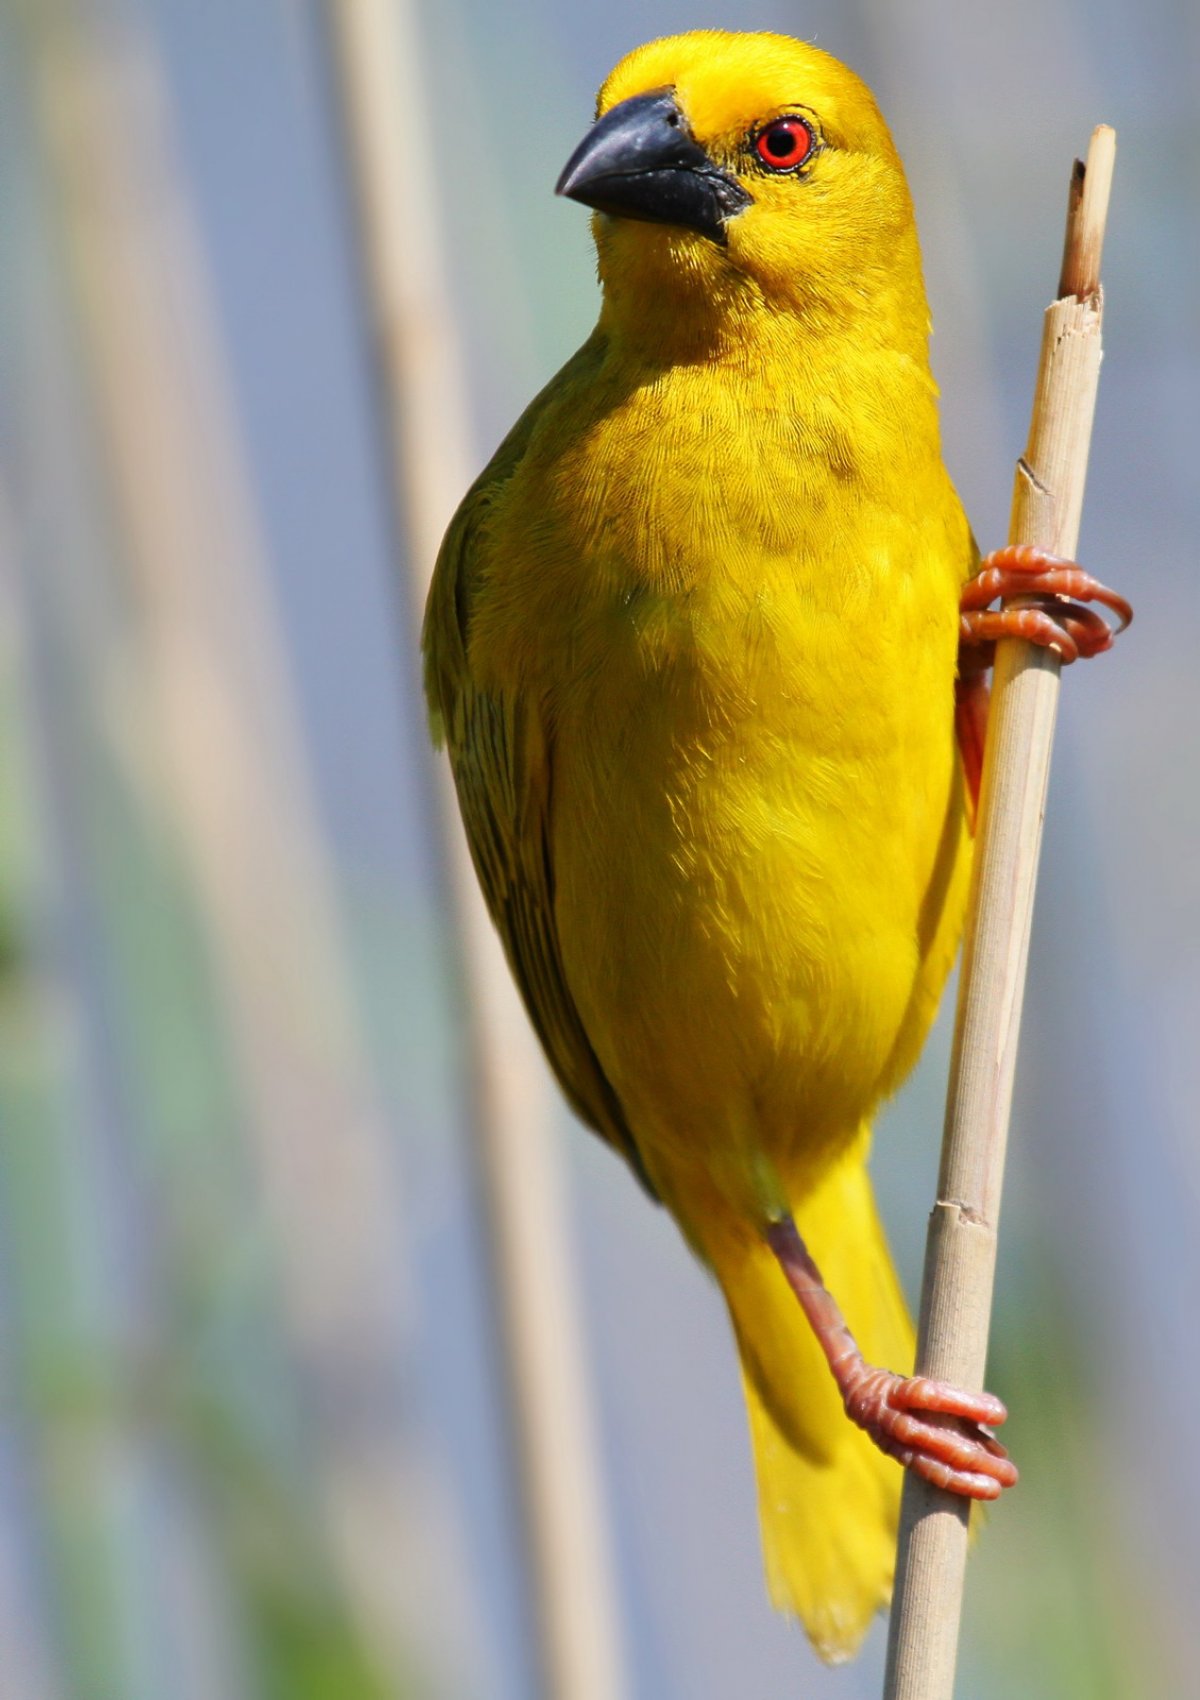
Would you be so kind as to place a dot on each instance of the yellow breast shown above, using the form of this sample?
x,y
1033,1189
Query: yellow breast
x,y
741,622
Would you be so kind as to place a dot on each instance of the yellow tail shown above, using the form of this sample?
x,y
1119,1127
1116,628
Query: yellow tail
x,y
828,1498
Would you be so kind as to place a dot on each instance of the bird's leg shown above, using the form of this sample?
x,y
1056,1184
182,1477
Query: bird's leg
x,y
1063,622
932,1428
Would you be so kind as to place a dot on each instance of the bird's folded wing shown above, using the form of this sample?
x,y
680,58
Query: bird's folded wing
x,y
502,768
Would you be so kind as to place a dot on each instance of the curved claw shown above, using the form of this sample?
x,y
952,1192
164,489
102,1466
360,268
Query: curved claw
x,y
1060,621
967,1484
1065,624
921,1393
955,1453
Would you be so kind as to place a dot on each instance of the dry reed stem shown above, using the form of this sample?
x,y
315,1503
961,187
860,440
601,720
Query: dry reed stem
x,y
195,698
961,1247
386,124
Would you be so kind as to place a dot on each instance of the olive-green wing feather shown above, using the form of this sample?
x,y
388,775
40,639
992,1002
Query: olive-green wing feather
x,y
502,767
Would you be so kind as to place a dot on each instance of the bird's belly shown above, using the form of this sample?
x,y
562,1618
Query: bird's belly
x,y
743,904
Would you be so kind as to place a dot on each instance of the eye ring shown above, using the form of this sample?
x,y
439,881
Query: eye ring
x,y
785,144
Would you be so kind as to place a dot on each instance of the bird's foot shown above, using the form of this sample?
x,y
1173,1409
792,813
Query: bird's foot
x,y
1062,622
933,1429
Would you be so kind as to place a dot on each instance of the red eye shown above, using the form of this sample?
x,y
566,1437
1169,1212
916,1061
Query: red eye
x,y
785,144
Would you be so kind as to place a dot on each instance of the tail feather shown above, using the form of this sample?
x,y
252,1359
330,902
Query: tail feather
x,y
828,1498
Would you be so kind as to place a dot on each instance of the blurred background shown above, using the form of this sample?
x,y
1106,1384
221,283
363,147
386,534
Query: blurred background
x,y
253,1430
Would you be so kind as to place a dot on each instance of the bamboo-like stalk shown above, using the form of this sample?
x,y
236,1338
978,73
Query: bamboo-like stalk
x,y
57,1301
208,738
377,51
961,1247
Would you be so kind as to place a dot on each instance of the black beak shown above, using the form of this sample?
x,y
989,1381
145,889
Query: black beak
x,y
639,161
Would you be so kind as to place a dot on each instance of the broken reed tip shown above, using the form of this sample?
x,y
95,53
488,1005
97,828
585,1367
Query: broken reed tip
x,y
1091,183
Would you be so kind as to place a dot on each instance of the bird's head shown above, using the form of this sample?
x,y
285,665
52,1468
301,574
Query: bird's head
x,y
741,169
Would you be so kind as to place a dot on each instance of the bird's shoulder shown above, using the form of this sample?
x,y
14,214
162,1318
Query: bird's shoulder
x,y
461,572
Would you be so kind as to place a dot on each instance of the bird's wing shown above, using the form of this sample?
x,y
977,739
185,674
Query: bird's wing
x,y
502,765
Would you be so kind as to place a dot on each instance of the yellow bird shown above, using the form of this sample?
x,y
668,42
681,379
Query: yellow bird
x,y
693,644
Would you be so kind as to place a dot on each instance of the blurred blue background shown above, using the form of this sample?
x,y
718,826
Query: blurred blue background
x,y
251,1440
